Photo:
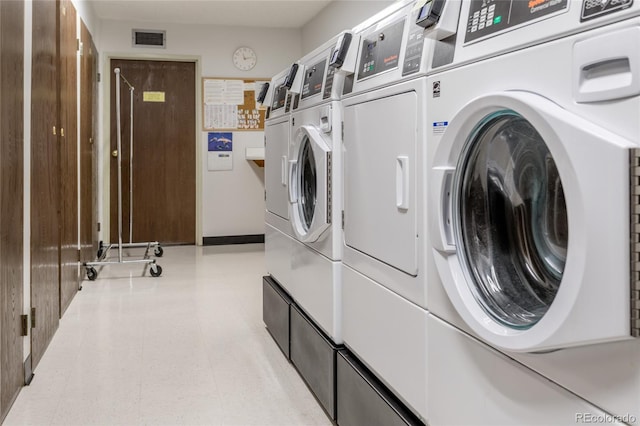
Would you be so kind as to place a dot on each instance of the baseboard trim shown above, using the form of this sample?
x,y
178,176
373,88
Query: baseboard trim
x,y
233,239
28,372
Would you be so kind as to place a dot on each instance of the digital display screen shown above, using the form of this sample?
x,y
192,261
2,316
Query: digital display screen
x,y
313,78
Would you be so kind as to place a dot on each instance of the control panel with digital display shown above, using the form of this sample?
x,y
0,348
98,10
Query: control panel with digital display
x,y
313,78
415,44
380,50
489,17
328,82
595,8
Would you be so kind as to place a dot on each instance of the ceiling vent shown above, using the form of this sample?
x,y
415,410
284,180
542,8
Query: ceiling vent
x,y
149,38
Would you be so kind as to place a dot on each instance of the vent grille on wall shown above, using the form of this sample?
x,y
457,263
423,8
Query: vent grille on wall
x,y
149,38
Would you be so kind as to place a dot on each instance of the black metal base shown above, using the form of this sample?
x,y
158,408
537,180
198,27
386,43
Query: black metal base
x,y
233,239
363,400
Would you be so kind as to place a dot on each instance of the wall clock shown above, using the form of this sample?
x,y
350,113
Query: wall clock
x,y
244,58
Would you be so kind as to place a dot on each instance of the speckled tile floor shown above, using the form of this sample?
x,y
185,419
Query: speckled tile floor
x,y
187,348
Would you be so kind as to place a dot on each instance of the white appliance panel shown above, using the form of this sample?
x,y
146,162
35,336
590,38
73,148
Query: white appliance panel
x,y
471,384
389,334
276,134
380,139
317,289
278,249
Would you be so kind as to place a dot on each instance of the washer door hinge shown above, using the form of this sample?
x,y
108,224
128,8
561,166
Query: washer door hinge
x,y
634,204
329,188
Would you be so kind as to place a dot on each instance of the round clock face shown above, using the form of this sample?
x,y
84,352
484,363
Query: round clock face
x,y
244,58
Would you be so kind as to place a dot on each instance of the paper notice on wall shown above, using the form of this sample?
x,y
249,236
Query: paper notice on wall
x,y
223,92
221,116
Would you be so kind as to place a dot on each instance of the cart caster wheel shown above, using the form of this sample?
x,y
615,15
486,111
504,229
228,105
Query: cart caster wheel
x,y
92,274
156,270
99,254
158,251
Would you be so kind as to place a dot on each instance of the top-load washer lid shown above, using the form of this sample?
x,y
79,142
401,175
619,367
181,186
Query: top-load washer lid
x,y
532,226
309,186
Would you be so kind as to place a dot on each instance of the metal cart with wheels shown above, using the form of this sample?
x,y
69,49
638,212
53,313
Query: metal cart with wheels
x,y
102,258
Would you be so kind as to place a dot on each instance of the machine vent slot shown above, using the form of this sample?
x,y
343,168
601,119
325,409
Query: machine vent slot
x,y
329,189
149,38
635,241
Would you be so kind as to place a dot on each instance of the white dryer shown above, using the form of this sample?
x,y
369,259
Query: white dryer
x,y
384,277
278,232
315,196
532,189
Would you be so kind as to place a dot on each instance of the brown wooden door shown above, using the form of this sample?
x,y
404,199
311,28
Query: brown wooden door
x,y
11,199
45,178
164,158
69,275
88,160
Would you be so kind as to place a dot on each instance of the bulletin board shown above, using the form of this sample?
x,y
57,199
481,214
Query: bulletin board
x,y
230,104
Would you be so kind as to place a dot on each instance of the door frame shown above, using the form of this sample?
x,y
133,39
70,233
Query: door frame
x,y
104,148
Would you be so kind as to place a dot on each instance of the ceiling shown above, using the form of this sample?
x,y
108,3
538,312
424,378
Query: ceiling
x,y
255,13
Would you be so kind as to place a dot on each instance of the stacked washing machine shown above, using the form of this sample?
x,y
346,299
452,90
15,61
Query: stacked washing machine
x,y
533,191
309,306
384,278
278,233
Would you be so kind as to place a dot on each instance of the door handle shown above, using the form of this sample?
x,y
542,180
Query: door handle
x,y
606,69
402,182
114,153
447,206
283,170
293,170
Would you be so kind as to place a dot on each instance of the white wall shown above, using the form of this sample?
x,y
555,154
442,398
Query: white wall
x,y
339,15
85,12
231,202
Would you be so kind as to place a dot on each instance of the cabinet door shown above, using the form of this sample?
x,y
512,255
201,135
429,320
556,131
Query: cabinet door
x,y
45,180
11,199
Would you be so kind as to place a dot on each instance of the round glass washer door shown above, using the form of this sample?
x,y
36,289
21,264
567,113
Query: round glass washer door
x,y
307,184
510,220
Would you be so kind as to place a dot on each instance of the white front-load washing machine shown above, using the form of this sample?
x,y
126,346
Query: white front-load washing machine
x,y
315,196
533,193
278,231
383,290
